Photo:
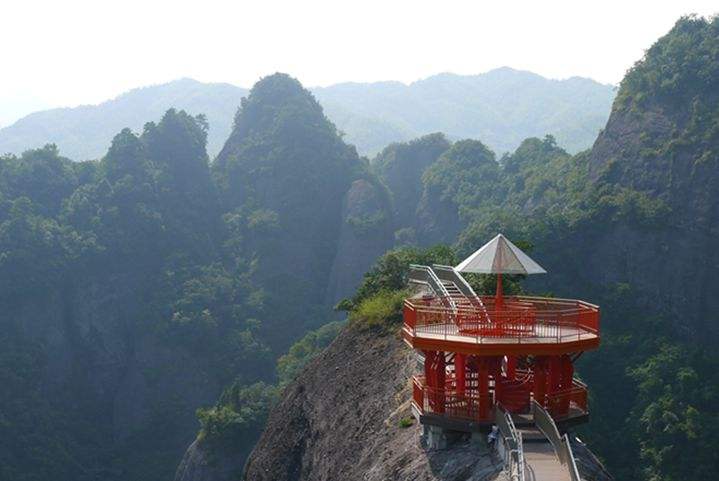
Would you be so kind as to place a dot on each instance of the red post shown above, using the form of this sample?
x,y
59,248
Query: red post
x,y
555,379
441,384
483,388
511,367
497,373
540,381
567,376
499,295
428,375
460,372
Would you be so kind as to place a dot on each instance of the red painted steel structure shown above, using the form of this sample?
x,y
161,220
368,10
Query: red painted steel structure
x,y
499,350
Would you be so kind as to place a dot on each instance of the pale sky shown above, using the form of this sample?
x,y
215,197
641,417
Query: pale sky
x,y
70,52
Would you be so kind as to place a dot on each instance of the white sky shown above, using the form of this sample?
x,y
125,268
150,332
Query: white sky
x,y
70,52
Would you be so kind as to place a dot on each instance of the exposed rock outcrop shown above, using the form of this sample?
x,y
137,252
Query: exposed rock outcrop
x,y
366,234
341,420
655,150
401,167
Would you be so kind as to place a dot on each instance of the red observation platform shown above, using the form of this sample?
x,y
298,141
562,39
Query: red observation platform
x,y
481,351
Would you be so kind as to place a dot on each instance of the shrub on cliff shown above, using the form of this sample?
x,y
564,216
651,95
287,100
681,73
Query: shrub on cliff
x,y
239,414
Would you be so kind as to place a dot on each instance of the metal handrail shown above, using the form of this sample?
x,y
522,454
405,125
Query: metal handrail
x,y
546,424
513,443
426,276
561,444
520,317
447,273
576,395
571,462
520,457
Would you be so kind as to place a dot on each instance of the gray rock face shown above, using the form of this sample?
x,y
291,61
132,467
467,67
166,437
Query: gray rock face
x,y
340,420
202,463
673,262
365,234
103,367
590,468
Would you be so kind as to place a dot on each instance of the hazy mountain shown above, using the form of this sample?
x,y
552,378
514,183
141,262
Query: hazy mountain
x,y
502,107
84,132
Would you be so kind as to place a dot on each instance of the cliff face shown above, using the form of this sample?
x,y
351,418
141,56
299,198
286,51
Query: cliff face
x,y
365,234
645,150
104,380
401,167
661,139
340,420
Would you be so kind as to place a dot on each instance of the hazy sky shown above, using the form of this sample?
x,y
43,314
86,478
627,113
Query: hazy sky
x,y
65,53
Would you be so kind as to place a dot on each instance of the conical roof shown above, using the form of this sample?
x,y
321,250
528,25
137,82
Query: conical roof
x,y
500,256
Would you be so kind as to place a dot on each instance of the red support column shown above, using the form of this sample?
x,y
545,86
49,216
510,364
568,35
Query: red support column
x,y
434,372
460,372
511,367
555,379
499,295
483,388
567,372
428,374
540,381
566,386
497,373
441,384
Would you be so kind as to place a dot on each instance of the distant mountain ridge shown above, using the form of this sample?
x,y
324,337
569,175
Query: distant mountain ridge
x,y
502,107
84,132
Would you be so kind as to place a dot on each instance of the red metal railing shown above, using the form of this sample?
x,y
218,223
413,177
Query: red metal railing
x,y
562,403
548,319
418,392
467,404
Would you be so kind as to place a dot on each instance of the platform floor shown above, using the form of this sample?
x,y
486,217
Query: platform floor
x,y
540,334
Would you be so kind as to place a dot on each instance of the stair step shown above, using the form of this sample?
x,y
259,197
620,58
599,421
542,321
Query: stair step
x,y
532,436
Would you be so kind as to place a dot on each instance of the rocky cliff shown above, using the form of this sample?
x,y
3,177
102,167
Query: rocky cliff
x,y
661,139
365,234
341,420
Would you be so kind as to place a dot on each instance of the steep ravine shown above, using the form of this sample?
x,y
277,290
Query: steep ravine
x,y
340,420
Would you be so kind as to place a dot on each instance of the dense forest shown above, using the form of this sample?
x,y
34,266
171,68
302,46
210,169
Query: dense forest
x,y
153,293
629,224
137,287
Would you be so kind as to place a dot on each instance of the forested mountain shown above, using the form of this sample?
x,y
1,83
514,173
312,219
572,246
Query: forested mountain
x,y
501,107
139,287
135,288
629,224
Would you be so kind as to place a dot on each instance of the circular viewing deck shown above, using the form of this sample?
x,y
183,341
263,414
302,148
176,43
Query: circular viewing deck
x,y
520,326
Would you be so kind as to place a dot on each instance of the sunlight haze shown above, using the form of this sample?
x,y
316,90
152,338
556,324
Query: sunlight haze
x,y
91,51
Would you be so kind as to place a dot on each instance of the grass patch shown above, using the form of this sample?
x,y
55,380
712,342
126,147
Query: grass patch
x,y
380,311
406,422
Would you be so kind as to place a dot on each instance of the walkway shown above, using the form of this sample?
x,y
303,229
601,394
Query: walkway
x,y
540,460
